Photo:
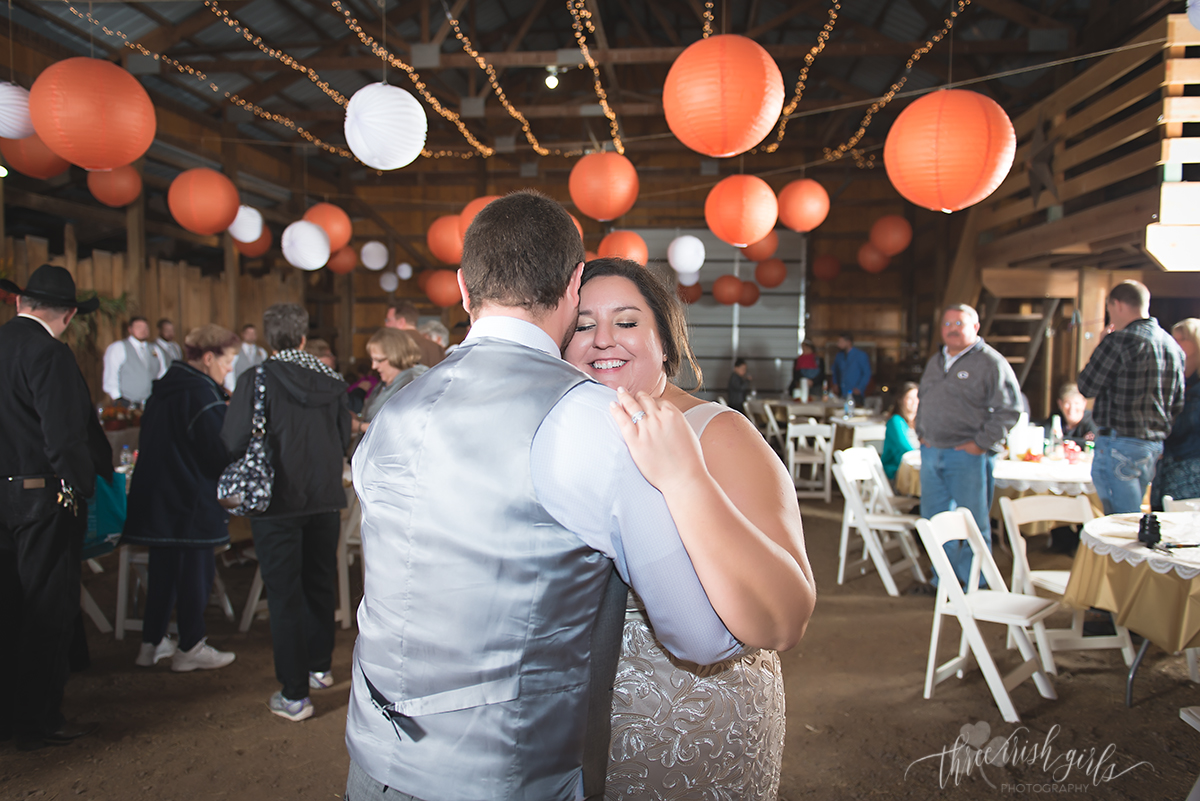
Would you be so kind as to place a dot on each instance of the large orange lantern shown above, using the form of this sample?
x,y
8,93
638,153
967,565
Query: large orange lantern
x,y
803,205
826,268
949,150
470,210
604,185
750,294
445,240
871,259
117,188
723,95
203,201
689,294
29,156
624,245
770,273
92,113
442,288
763,249
891,234
741,209
252,250
334,222
727,289
343,261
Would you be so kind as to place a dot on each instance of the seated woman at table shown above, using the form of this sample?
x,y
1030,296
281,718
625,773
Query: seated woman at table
x,y
1178,473
173,505
900,437
394,355
716,729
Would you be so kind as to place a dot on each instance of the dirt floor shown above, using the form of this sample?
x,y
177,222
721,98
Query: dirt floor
x,y
858,726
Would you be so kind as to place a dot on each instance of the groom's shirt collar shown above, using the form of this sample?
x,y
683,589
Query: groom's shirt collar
x,y
512,329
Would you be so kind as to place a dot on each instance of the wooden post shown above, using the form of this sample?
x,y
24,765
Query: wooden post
x,y
135,250
1093,293
232,257
70,250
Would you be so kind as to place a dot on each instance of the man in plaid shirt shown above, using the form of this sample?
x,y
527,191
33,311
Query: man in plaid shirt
x,y
1136,377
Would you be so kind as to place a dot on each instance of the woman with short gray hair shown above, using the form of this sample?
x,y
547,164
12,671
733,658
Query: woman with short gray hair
x,y
308,430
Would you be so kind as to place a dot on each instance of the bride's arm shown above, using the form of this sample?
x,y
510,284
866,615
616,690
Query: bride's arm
x,y
735,507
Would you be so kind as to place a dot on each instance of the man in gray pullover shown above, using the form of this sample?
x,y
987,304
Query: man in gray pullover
x,y
969,399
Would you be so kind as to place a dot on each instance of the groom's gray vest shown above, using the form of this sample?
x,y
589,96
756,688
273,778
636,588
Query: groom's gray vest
x,y
471,666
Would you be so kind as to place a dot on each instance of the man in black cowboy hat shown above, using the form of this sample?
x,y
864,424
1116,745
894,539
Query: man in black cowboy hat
x,y
53,446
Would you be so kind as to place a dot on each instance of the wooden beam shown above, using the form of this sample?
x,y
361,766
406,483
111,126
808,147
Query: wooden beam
x,y
636,25
667,27
1021,14
1004,282
72,210
161,40
444,29
780,19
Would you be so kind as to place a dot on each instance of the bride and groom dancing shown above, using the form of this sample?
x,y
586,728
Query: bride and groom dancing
x,y
500,491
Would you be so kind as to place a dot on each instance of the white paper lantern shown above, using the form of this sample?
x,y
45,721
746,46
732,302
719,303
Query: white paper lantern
x,y
689,279
305,245
1193,13
374,255
14,111
685,254
385,126
389,282
247,225
404,270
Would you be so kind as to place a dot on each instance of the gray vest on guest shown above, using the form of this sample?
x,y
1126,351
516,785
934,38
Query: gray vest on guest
x,y
477,619
135,378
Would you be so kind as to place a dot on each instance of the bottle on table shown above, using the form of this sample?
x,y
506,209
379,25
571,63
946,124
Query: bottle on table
x,y
126,456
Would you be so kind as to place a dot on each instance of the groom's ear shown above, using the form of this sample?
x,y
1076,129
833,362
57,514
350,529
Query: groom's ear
x,y
462,287
573,286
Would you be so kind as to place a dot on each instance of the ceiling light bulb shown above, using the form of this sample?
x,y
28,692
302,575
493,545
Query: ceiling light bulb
x,y
552,81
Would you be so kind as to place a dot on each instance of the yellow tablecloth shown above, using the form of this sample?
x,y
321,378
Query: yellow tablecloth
x,y
1159,604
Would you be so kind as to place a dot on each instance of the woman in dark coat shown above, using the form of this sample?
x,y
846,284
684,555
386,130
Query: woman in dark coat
x,y
173,505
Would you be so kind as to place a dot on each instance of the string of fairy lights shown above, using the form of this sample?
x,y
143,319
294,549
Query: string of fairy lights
x,y
581,18
809,58
708,19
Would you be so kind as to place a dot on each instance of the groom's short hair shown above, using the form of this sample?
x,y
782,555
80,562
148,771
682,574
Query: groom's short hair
x,y
521,251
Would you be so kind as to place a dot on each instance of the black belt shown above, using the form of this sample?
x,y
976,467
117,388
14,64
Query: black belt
x,y
32,481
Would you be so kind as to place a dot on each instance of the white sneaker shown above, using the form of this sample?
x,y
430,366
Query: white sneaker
x,y
202,656
320,681
150,654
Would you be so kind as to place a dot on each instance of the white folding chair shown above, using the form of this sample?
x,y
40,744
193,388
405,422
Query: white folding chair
x,y
774,434
810,444
132,575
974,605
757,414
869,433
880,533
884,500
349,543
1062,509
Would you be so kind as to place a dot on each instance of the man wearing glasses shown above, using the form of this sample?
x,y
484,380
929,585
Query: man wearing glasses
x,y
969,399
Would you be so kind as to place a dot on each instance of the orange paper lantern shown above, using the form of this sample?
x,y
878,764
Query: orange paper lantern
x,y
803,205
30,156
92,113
763,249
445,240
603,185
252,250
423,278
891,234
343,261
625,245
723,95
826,268
117,188
578,226
470,210
949,150
590,255
770,273
741,209
442,288
689,294
750,294
871,259
727,289
335,223
203,201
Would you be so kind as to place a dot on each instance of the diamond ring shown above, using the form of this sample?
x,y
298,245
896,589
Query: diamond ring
x,y
637,416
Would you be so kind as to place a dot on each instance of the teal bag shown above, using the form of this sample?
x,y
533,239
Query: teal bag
x,y
106,516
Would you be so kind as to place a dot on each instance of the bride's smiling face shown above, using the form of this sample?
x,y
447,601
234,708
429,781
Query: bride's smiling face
x,y
616,340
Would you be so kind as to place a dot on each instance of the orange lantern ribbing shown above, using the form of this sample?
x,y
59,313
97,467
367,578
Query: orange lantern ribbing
x,y
741,209
92,113
117,188
803,205
723,95
949,150
603,185
333,221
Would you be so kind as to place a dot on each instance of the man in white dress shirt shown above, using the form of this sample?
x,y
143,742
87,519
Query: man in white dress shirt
x,y
131,365
251,355
168,348
498,497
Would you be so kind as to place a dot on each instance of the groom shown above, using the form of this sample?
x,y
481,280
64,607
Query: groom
x,y
497,494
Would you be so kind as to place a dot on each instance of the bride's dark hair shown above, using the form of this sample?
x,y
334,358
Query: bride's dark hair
x,y
667,310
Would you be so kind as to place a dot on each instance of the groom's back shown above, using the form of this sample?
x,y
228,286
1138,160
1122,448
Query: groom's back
x,y
478,604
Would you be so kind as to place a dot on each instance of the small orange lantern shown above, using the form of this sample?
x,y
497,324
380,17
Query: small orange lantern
x,y
763,249
727,289
442,288
335,223
770,273
604,185
750,294
826,268
625,245
891,234
741,209
445,240
689,294
252,250
203,201
117,188
30,156
871,259
470,210
803,205
343,261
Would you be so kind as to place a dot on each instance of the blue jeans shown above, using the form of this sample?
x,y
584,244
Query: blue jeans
x,y
1121,470
951,479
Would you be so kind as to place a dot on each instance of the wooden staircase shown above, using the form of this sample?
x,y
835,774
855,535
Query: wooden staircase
x,y
1017,328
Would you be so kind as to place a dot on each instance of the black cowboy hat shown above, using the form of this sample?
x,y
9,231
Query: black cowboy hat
x,y
53,285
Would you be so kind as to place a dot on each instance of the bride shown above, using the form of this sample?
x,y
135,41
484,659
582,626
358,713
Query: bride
x,y
680,730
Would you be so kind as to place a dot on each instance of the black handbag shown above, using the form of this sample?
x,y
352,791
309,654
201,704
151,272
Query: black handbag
x,y
245,486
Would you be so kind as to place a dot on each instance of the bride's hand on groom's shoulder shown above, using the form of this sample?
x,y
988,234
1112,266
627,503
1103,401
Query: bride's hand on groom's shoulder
x,y
662,444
